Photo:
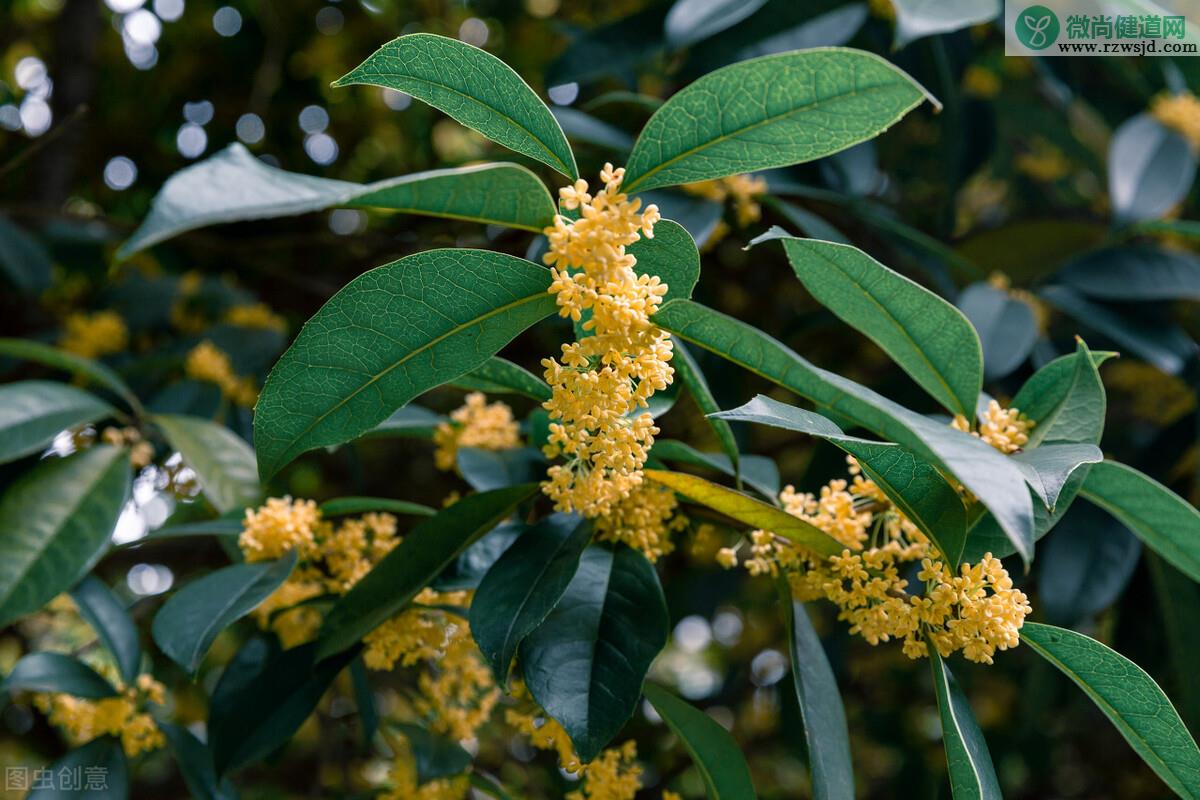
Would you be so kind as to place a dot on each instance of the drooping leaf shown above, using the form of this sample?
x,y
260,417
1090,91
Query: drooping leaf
x,y
485,470
29,350
55,523
983,470
586,662
224,464
32,413
916,19
672,256
24,262
472,86
769,112
758,472
196,764
524,585
825,734
713,750
1047,468
1006,326
389,335
498,376
689,373
747,510
1135,272
56,672
234,185
1129,698
109,618
1066,399
359,505
103,754
1164,521
1150,169
914,485
188,623
263,697
1084,566
927,337
691,21
970,765
425,551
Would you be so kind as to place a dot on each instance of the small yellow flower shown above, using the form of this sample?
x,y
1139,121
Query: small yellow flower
x,y
94,335
207,362
727,557
477,423
1043,162
1179,112
744,190
122,716
644,520
1005,429
980,82
256,315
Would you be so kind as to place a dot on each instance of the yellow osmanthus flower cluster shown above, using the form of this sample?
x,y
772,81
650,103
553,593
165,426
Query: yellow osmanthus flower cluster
x,y
744,190
477,423
1179,112
458,692
1005,429
644,520
602,380
256,315
977,611
94,335
123,716
1043,162
207,362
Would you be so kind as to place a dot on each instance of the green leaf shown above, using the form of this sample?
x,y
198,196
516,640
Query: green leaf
x,y
234,185
927,337
55,672
582,127
55,523
1048,467
263,697
825,732
188,623
1150,169
1179,604
364,701
914,485
196,764
361,505
494,469
713,750
971,772
1134,273
1006,326
23,260
1164,521
388,336
1066,399
697,385
220,526
985,471
524,585
1129,698
758,472
30,350
473,563
425,551
767,112
672,256
691,21
586,662
224,464
916,19
435,756
500,376
747,510
104,754
410,422
109,618
808,223
32,413
475,88
1085,566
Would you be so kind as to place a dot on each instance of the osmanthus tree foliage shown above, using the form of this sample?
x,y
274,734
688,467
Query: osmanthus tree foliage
x,y
541,582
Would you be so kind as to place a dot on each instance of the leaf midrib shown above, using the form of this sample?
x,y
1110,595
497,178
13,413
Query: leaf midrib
x,y
533,586
196,652
944,684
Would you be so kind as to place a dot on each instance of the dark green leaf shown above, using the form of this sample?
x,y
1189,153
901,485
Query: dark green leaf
x,y
210,527
55,523
55,672
435,756
411,421
196,764
361,505
810,224
224,464
24,262
1129,698
103,754
32,413
971,772
586,662
1164,521
769,112
1047,468
388,336
475,88
188,623
425,551
697,385
1006,326
234,185
825,732
1179,605
715,753
758,472
1084,566
109,618
672,256
499,376
494,469
1136,272
364,701
1066,399
1150,169
523,586
29,350
585,128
